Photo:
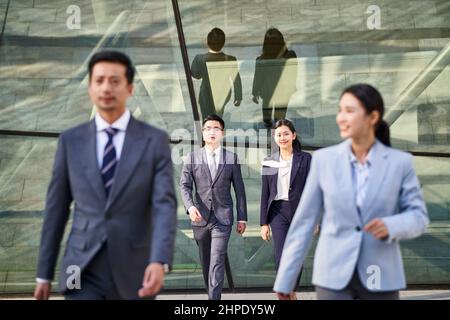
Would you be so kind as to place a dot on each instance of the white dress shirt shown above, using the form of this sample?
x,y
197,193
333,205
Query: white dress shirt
x,y
102,138
284,179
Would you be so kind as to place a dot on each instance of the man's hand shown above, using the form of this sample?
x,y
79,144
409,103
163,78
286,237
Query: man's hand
x,y
153,280
42,291
265,232
240,228
195,215
237,103
255,99
377,228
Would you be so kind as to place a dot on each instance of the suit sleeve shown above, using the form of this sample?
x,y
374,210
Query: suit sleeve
x,y
239,190
300,232
196,68
265,192
164,206
56,214
412,218
187,183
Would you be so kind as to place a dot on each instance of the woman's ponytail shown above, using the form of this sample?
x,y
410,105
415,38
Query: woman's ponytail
x,y
382,133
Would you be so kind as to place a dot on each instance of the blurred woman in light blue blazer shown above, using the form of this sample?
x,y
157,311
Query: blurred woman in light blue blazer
x,y
369,198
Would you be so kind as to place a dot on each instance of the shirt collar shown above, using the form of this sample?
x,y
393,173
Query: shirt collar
x,y
369,157
120,124
216,151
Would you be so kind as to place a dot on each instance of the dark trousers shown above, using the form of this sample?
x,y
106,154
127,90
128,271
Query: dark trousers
x,y
354,291
279,212
212,241
97,282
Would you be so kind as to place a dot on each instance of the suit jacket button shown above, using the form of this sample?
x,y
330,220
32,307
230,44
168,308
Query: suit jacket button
x,y
358,228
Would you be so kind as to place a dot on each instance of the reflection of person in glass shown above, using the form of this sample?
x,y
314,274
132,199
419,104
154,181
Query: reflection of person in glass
x,y
283,179
369,197
219,73
275,76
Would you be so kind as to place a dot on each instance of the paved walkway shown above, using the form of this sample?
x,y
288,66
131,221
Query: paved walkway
x,y
404,295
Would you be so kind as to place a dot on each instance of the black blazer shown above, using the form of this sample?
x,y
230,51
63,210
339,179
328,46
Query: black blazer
x,y
301,162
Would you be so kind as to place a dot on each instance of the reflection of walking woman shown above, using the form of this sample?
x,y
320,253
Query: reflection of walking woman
x,y
371,199
283,178
275,76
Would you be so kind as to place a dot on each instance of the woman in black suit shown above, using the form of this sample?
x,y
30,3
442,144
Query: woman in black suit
x,y
283,179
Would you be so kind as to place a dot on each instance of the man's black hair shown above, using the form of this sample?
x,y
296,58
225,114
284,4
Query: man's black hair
x,y
214,117
115,57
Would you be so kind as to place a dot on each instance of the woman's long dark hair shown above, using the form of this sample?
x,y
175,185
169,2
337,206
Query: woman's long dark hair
x,y
274,45
296,145
372,100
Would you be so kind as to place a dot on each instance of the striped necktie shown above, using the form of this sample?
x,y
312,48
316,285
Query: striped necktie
x,y
109,160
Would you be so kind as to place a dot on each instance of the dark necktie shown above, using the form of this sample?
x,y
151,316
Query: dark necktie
x,y
212,166
109,160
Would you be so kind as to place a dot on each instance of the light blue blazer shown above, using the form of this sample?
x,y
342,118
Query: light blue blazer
x,y
393,194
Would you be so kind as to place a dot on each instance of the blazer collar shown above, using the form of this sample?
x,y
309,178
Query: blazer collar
x,y
88,147
296,163
378,169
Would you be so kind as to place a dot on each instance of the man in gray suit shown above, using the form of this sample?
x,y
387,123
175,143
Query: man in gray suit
x,y
212,170
117,171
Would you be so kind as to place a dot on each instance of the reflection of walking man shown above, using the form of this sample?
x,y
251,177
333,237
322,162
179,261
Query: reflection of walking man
x,y
219,73
118,173
212,170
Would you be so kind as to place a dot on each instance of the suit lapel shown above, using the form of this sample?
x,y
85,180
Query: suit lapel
x,y
379,165
273,178
204,165
91,169
296,162
221,166
133,148
344,178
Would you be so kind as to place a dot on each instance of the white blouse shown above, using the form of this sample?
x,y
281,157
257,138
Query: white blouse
x,y
284,179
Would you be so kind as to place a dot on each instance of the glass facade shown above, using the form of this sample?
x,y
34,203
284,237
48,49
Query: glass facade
x,y
401,47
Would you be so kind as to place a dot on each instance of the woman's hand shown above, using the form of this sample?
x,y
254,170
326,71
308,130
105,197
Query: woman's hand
x,y
265,232
377,228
